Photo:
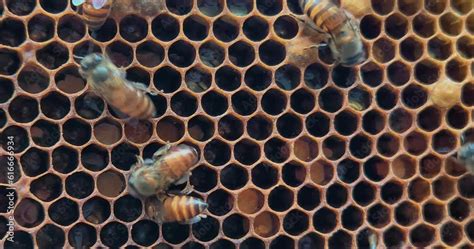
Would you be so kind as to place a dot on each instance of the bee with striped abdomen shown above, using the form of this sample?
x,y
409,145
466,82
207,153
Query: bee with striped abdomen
x,y
169,165
109,82
183,209
94,12
344,39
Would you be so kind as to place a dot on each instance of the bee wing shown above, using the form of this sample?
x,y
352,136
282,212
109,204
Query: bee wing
x,y
78,2
98,4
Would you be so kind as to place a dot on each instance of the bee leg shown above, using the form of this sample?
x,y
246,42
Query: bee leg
x,y
189,188
162,151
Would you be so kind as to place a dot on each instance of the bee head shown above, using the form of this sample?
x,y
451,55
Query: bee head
x,y
91,61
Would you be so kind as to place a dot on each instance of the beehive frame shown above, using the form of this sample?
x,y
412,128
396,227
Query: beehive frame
x,y
287,159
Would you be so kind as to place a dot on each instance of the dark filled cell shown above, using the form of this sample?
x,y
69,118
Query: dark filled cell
x,y
255,28
123,156
406,213
252,243
424,25
214,103
21,7
120,53
82,234
325,220
422,235
234,177
246,152
195,28
127,208
181,54
22,240
53,55
272,52
201,128
65,159
318,124
225,28
45,133
96,210
29,213
12,32
9,61
145,232
217,153
167,79
372,74
55,105
276,150
50,236
230,128
210,8
165,27
47,188
23,109
133,28
286,27
179,7
211,54
394,237
391,192
206,230
334,147
6,89
259,127
175,233
352,218
34,162
274,102
79,185
396,25
64,212
71,28
264,175
244,103
114,234
204,178
330,99
220,202
150,54
240,7
241,54
76,132
364,193
282,241
228,78
106,32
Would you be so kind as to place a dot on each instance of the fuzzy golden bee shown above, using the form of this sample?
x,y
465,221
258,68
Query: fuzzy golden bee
x,y
169,165
183,209
94,12
109,82
344,39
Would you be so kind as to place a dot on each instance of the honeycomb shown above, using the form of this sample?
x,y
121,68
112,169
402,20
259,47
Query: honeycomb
x,y
314,156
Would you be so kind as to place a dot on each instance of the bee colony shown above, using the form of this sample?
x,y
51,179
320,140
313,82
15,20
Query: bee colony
x,y
289,144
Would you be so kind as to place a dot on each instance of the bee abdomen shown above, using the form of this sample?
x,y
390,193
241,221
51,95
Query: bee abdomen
x,y
134,102
325,14
181,159
182,208
95,18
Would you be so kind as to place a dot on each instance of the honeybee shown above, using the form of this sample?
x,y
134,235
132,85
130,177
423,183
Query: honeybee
x,y
150,8
94,12
169,165
343,33
183,209
109,82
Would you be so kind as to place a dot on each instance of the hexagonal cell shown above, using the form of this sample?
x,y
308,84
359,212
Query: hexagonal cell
x,y
214,103
451,24
96,210
200,128
429,119
286,27
167,79
255,28
415,143
20,139
138,132
398,73
330,99
289,125
64,211
133,28
69,80
250,201
50,236
340,239
184,104
325,220
244,103
264,175
276,150
29,213
419,189
76,131
443,188
82,234
305,149
174,233
459,209
316,76
225,28
360,146
411,49
114,234
65,159
150,54
376,169
406,213
440,47
124,156
120,53
308,197
79,185
388,144
44,133
433,212
23,109
336,195
364,193
241,54
47,187
227,78
379,215
266,224
272,52
400,120
396,26
34,162
359,98
204,178
252,243
346,123
373,122
246,152
210,225
6,89
465,46
424,25
53,55
287,77
217,153
280,199
94,157
422,235
392,191
321,172
231,128
71,28
55,105
181,53
211,9
383,50
220,202
165,27
372,74
457,69
232,177
348,170
370,26
127,208
235,226
318,124
334,147
111,183
145,232
387,97
404,166
258,77
352,218
13,32
41,28
383,7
